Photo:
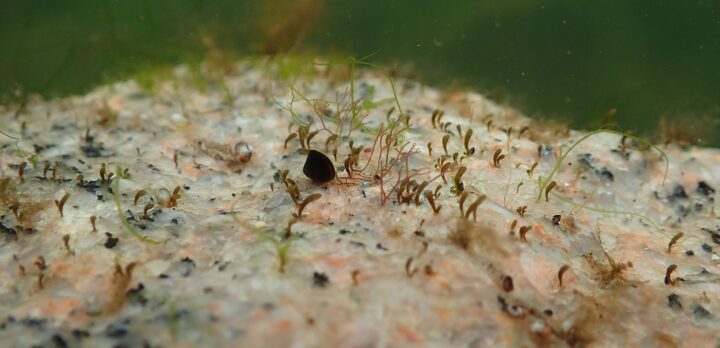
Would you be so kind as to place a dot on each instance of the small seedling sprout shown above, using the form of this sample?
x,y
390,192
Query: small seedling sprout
x,y
354,276
445,140
40,263
54,171
102,173
409,271
548,189
66,243
431,199
523,231
174,197
310,136
473,207
674,240
330,139
21,171
419,190
458,185
532,169
292,190
138,195
668,275
444,169
497,157
146,209
461,202
301,206
288,230
436,117
521,210
61,203
436,193
523,130
292,136
468,151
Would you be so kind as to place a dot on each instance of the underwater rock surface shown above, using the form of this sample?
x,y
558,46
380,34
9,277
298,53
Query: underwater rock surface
x,y
179,214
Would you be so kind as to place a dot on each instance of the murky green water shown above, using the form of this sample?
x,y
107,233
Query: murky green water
x,y
572,60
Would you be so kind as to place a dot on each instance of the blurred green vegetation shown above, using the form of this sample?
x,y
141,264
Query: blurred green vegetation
x,y
567,59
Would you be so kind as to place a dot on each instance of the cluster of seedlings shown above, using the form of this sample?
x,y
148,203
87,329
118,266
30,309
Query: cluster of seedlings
x,y
432,197
472,209
292,189
163,197
347,115
115,189
122,276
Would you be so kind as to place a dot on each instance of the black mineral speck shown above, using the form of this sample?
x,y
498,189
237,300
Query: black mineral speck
x,y
90,185
188,261
556,220
689,253
607,174
320,280
679,192
586,159
698,207
92,151
705,189
136,295
111,241
223,266
59,341
34,323
113,331
700,312
318,167
9,233
80,334
707,248
674,301
715,237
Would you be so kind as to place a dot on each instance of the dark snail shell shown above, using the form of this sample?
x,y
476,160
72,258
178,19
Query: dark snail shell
x,y
318,167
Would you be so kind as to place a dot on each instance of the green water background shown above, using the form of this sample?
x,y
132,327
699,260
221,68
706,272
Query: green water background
x,y
566,59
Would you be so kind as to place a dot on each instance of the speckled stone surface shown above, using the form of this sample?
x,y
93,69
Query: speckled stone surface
x,y
191,247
